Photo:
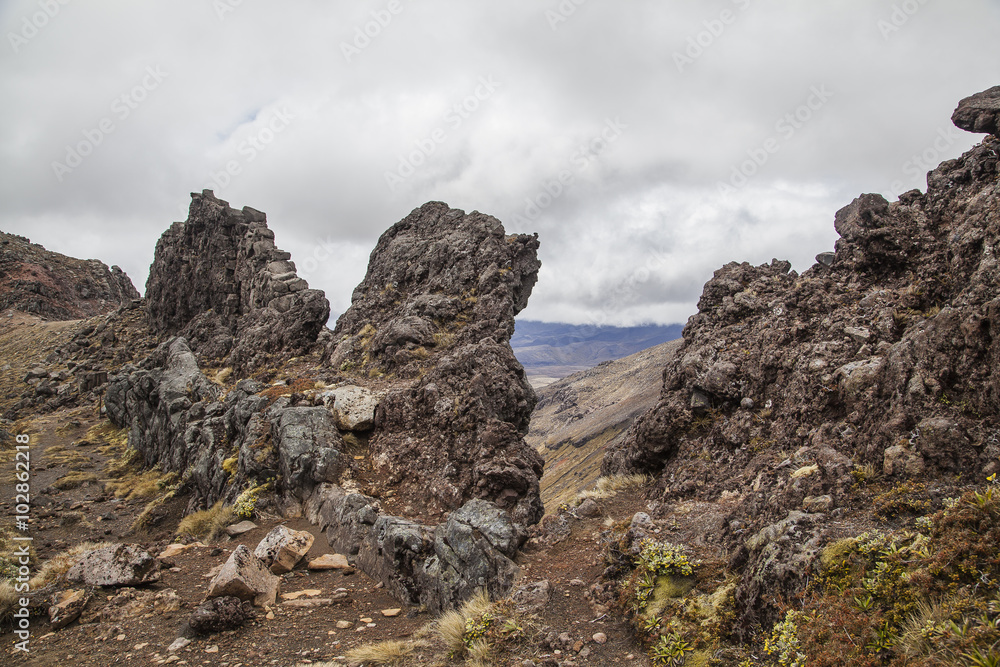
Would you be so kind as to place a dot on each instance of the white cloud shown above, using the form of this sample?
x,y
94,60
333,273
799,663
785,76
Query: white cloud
x,y
650,193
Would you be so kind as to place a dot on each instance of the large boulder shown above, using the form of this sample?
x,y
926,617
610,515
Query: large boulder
x,y
283,548
115,565
245,576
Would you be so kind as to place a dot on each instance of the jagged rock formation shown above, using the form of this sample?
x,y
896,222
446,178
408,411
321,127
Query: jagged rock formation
x,y
219,280
883,353
438,305
980,112
429,394
56,287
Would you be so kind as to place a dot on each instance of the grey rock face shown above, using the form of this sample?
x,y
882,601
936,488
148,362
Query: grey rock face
x,y
219,280
436,308
980,112
436,566
115,565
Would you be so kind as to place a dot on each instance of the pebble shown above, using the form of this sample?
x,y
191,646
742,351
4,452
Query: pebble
x,y
390,613
344,625
600,638
178,644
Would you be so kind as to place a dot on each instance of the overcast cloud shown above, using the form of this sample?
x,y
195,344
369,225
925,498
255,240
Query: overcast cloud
x,y
336,134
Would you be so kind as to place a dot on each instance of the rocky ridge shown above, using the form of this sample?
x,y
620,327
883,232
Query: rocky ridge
x,y
56,287
881,358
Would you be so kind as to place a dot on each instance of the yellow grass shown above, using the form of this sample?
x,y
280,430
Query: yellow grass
x,y
206,524
612,485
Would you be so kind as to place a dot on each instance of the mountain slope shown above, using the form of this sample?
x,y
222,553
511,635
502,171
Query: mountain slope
x,y
580,416
550,350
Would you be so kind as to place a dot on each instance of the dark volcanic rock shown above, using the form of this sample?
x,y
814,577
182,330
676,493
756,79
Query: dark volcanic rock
x,y
438,305
219,280
434,566
980,112
883,356
56,287
220,614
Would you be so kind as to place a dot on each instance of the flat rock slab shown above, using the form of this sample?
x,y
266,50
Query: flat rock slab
x,y
313,603
115,565
244,576
330,562
283,548
67,607
240,528
175,549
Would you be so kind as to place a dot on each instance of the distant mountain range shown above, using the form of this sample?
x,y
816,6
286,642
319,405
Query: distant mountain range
x,y
549,351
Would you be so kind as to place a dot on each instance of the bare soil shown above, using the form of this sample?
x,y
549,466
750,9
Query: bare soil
x,y
135,627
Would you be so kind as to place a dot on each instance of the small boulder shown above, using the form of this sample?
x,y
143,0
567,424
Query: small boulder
x,y
115,565
67,607
353,408
244,576
329,562
283,548
588,509
817,504
220,614
530,598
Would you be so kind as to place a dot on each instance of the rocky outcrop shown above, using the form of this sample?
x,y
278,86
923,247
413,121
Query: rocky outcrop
x,y
980,112
56,287
426,395
438,567
882,354
219,280
436,310
177,421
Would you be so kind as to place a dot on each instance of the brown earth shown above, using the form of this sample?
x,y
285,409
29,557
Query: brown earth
x,y
104,636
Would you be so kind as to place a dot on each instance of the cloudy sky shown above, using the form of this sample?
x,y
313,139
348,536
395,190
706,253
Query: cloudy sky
x,y
648,142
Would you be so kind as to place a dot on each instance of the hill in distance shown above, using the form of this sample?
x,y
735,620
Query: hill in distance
x,y
550,351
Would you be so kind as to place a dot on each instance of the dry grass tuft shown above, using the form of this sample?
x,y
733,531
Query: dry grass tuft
x,y
74,480
612,485
391,652
142,522
206,524
145,485
57,566
8,600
